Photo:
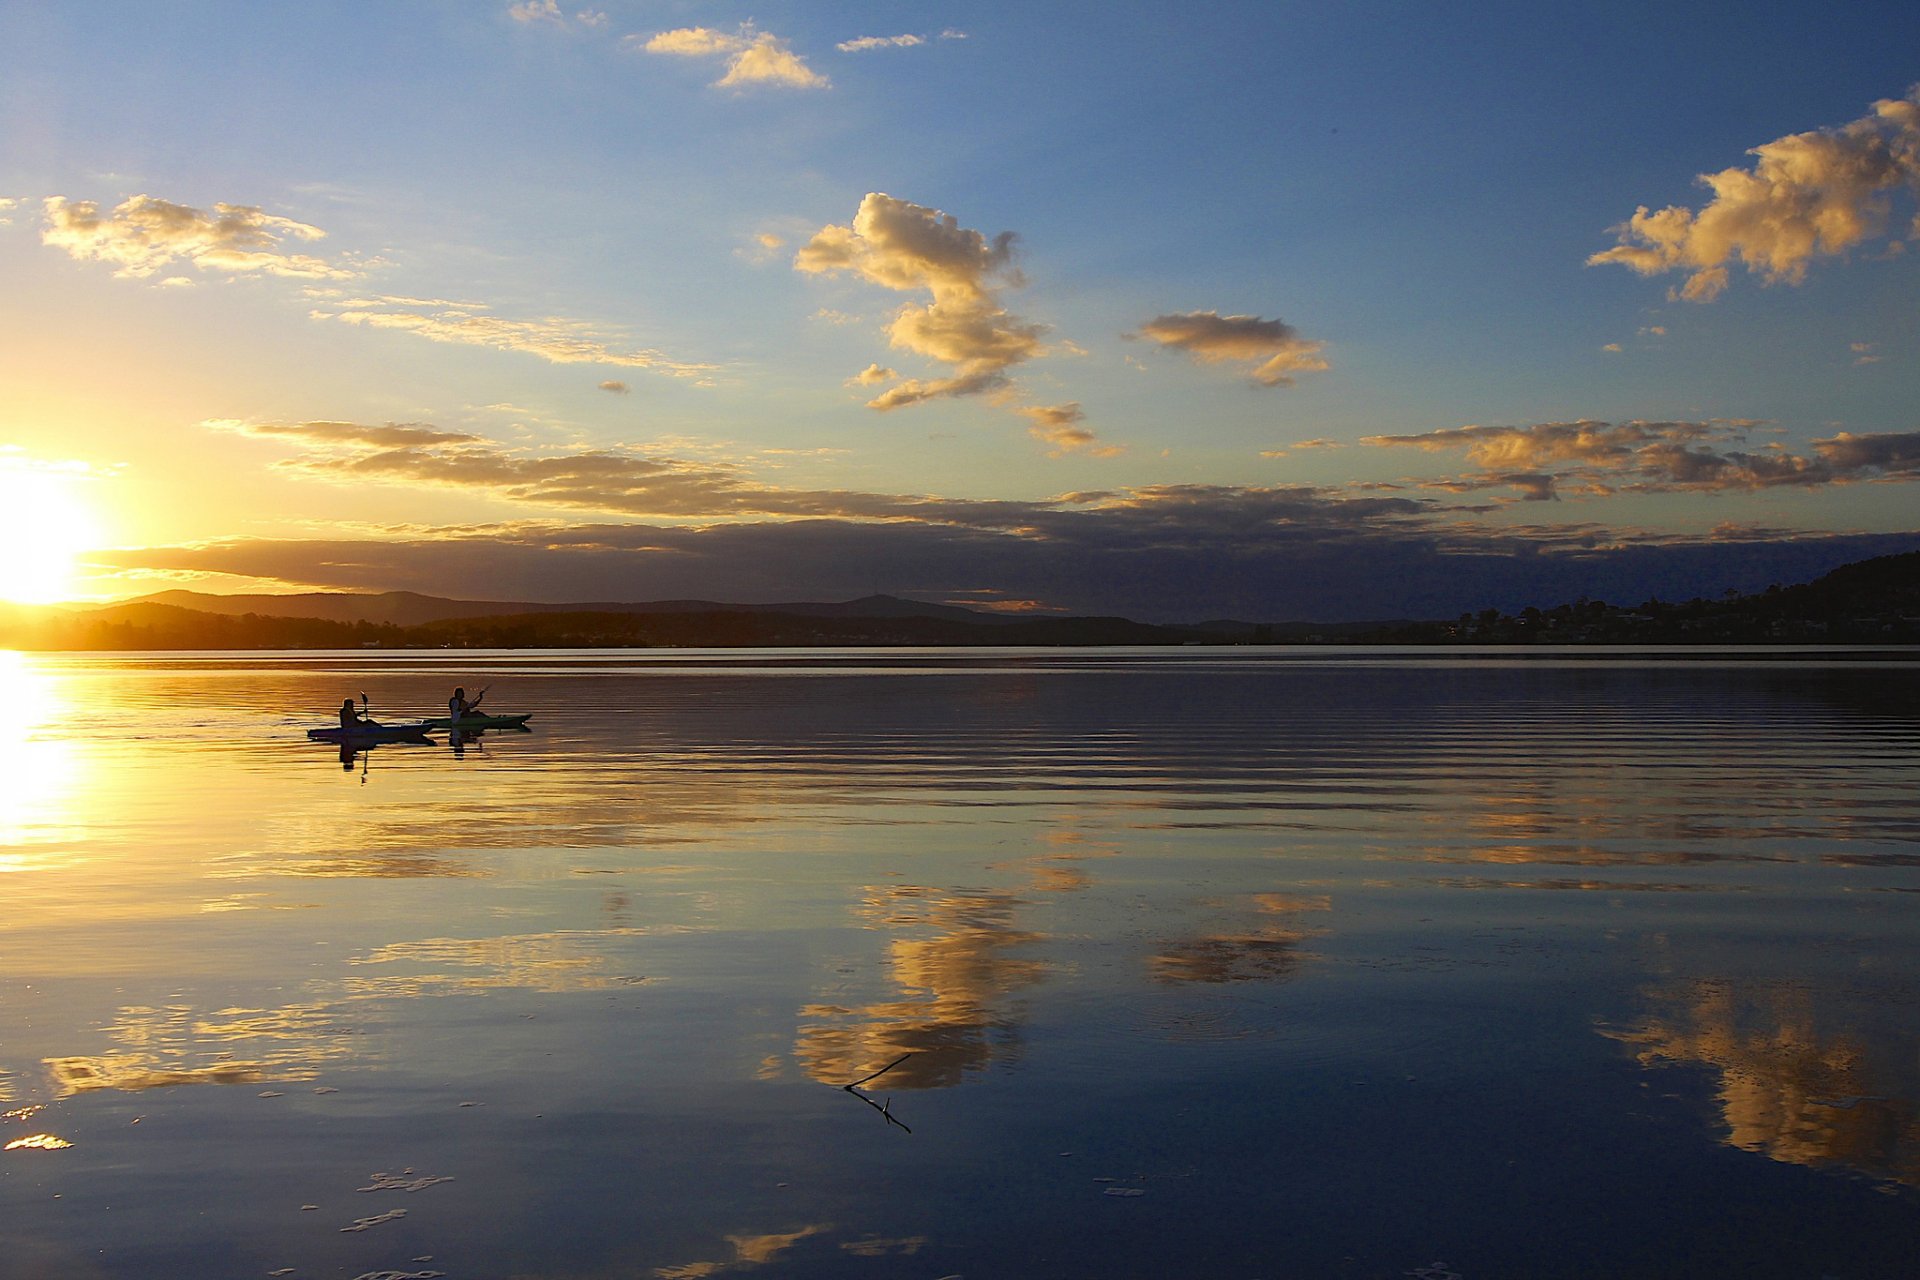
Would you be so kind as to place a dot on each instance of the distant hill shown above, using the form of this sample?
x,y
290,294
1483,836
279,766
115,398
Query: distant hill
x,y
1873,602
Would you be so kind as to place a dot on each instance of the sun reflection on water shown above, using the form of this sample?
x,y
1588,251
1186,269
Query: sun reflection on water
x,y
39,765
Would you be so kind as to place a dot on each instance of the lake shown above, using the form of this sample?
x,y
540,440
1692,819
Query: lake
x,y
1203,962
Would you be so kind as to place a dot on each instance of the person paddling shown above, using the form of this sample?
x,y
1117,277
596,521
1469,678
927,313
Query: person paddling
x,y
350,717
458,708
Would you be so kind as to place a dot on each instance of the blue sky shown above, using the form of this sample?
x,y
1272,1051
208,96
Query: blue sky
x,y
1298,316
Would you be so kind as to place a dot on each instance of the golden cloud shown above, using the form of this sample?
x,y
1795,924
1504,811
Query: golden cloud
x,y
1060,425
1807,196
1276,350
1658,457
143,234
908,247
753,57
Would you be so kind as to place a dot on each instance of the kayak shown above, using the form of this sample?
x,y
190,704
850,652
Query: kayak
x,y
372,733
470,723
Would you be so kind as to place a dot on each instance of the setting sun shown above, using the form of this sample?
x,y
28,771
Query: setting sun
x,y
44,528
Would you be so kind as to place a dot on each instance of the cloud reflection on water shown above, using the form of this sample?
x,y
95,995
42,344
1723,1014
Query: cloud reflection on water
x,y
957,988
1798,1080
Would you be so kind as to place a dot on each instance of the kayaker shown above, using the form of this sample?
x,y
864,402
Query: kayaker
x,y
458,708
350,717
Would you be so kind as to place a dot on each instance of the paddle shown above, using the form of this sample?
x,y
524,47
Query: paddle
x,y
365,714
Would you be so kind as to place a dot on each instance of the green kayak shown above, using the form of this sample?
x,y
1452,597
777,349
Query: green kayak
x,y
470,723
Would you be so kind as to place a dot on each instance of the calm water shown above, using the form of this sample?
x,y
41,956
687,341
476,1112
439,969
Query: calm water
x,y
1219,963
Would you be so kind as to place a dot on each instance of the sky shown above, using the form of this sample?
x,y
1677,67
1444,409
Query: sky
x,y
1265,311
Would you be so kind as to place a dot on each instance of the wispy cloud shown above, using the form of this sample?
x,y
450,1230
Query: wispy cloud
x,y
1807,196
145,234
613,481
865,43
530,12
552,338
752,57
348,435
1273,347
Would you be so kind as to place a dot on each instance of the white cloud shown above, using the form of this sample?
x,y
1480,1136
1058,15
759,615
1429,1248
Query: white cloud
x,y
616,386
864,43
753,57
144,234
1274,347
1807,196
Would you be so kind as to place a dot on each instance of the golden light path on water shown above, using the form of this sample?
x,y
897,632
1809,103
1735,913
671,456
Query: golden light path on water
x,y
1200,934
40,761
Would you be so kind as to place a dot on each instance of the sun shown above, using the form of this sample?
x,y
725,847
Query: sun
x,y
44,529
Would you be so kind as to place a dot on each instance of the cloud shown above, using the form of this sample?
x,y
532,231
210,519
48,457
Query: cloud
x,y
1890,454
1863,353
1274,347
552,338
872,375
614,385
144,234
1161,554
1060,426
528,12
1613,347
953,33
909,248
752,57
7,205
1602,458
864,43
1807,196
393,435
611,481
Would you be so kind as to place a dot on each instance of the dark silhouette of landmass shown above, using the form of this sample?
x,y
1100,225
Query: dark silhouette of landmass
x,y
1875,602
1868,602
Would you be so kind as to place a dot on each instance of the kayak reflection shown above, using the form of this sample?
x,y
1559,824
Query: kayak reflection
x,y
463,738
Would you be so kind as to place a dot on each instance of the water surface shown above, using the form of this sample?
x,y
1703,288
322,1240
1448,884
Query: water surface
x,y
1242,962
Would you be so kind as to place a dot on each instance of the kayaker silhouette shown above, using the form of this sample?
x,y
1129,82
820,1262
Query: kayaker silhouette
x,y
350,717
458,708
